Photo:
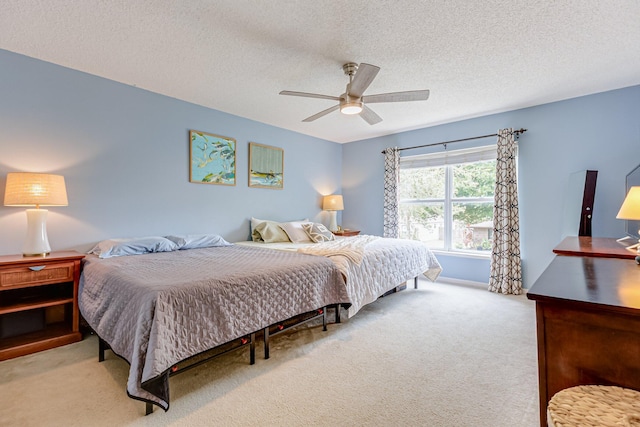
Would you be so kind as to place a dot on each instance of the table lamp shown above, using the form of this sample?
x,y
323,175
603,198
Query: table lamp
x,y
630,209
35,189
333,204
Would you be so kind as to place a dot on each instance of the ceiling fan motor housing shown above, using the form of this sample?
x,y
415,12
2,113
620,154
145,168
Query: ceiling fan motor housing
x,y
353,100
350,104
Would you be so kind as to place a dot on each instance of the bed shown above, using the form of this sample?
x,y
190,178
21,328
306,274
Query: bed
x,y
159,308
159,301
370,265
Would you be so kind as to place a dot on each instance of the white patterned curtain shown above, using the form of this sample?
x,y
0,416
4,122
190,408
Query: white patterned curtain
x,y
506,270
391,182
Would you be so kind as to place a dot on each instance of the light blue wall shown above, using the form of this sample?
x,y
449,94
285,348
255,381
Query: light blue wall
x,y
600,132
124,154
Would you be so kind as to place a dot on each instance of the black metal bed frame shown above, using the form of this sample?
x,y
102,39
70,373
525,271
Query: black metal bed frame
x,y
280,327
396,289
191,362
249,339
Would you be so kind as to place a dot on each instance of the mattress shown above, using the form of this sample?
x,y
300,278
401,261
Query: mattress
x,y
385,264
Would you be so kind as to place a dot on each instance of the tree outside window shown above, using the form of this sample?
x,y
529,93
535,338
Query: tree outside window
x,y
449,207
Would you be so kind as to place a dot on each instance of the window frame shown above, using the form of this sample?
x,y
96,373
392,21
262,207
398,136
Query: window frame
x,y
449,160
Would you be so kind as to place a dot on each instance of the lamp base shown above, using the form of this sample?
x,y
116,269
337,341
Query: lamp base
x,y
42,255
635,246
37,243
333,223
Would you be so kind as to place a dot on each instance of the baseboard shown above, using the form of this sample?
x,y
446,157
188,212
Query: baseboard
x,y
483,285
455,281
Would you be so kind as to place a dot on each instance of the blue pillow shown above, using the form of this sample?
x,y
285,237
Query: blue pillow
x,y
136,246
194,241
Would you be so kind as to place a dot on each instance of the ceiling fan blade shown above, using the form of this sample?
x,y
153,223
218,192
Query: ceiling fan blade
x,y
370,116
321,113
363,78
309,95
410,95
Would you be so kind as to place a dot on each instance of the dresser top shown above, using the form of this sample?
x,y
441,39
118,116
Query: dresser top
x,y
605,282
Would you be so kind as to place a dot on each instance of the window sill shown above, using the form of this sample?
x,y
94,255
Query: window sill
x,y
461,254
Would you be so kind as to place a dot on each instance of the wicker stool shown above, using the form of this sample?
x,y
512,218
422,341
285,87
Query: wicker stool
x,y
594,406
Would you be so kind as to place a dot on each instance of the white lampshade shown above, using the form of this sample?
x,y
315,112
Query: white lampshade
x,y
35,189
630,208
332,203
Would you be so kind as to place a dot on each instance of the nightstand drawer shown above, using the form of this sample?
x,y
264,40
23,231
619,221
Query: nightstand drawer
x,y
37,275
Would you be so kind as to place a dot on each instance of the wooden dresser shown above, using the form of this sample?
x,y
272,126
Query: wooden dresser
x,y
38,302
600,247
588,318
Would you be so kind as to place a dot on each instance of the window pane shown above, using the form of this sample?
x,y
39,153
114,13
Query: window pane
x,y
422,183
473,226
474,179
423,222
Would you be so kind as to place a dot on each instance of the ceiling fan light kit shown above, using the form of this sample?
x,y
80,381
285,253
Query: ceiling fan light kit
x,y
353,100
352,107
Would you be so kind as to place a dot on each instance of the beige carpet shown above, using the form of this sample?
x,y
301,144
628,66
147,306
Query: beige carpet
x,y
444,355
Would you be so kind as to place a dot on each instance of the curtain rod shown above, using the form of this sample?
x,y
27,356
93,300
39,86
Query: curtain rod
x,y
519,131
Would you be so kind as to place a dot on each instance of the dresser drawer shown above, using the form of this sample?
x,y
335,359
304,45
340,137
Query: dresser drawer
x,y
36,275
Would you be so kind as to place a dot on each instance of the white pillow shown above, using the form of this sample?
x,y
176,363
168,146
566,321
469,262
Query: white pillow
x,y
135,246
193,241
295,231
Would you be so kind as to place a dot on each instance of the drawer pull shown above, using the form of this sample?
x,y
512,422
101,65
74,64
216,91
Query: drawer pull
x,y
37,268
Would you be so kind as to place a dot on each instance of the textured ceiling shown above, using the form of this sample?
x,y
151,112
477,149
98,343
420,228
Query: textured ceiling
x,y
476,57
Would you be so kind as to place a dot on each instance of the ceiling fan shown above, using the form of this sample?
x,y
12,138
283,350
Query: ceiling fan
x,y
353,100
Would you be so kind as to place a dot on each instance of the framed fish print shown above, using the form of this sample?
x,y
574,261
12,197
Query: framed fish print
x,y
212,159
266,166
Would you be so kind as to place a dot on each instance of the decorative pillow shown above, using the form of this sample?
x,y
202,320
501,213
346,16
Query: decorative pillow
x,y
318,232
255,222
136,246
269,232
295,231
193,241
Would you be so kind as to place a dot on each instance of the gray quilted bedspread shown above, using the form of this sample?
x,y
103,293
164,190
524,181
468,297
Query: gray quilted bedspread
x,y
156,310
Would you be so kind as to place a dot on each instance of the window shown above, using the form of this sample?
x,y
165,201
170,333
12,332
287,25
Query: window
x,y
446,199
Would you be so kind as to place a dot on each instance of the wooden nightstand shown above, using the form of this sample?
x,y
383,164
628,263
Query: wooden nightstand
x,y
38,302
346,233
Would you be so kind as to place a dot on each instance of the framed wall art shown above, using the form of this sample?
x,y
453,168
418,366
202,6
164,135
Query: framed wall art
x,y
266,166
212,159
